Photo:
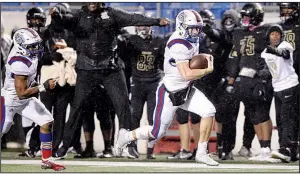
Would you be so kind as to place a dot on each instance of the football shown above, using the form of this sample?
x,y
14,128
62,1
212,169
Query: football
x,y
199,62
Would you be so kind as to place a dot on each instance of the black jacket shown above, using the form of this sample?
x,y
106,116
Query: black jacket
x,y
96,34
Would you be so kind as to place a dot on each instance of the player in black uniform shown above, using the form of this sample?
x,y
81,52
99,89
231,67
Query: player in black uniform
x,y
146,52
289,14
222,95
254,88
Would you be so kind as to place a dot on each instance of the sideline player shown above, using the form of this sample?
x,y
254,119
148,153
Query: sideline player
x,y
176,90
290,22
146,52
279,58
20,86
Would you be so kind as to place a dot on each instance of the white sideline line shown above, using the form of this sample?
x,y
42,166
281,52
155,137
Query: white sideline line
x,y
156,164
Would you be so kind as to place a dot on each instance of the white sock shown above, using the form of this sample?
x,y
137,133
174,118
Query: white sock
x,y
202,147
130,136
143,133
151,143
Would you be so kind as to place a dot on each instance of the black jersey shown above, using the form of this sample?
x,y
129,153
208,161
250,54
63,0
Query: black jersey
x,y
292,35
219,46
146,56
246,52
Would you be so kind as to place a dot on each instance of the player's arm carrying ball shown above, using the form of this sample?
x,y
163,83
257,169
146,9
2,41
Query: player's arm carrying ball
x,y
191,73
23,92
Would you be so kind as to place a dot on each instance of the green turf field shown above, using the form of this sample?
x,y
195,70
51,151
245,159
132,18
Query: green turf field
x,y
12,163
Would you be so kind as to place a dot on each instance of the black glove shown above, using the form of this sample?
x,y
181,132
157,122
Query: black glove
x,y
271,49
56,16
57,57
45,86
230,89
207,29
265,74
285,53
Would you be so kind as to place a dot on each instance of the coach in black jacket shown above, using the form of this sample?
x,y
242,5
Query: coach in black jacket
x,y
96,28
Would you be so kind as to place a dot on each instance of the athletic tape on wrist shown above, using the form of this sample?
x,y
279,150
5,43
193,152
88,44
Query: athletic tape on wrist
x,y
41,88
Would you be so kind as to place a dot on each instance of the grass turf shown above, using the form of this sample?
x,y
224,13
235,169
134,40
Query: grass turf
x,y
239,161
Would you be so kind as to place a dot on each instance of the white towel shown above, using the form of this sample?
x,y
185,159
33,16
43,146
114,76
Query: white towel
x,y
63,71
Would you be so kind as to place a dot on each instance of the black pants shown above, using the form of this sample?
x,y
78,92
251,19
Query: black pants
x,y
98,102
256,108
227,109
287,118
58,100
115,85
142,92
249,132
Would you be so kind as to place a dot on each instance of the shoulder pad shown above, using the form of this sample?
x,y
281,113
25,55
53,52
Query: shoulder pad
x,y
181,42
21,59
180,52
20,65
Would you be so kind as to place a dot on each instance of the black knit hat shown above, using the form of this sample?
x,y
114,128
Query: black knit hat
x,y
274,27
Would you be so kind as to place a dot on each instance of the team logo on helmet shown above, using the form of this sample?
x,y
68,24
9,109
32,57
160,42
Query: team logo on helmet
x,y
19,38
182,17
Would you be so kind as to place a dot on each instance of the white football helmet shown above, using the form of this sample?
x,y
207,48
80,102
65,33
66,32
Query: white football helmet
x,y
27,42
189,25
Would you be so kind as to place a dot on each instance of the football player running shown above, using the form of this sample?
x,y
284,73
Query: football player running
x,y
176,90
20,86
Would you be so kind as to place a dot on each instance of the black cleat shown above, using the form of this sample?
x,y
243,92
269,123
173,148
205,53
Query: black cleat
x,y
283,153
227,156
28,153
107,153
86,154
61,153
220,151
133,153
193,155
150,154
181,154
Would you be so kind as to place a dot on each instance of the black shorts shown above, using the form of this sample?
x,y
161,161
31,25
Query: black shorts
x,y
258,109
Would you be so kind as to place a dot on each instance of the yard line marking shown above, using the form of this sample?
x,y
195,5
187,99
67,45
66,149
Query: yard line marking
x,y
156,164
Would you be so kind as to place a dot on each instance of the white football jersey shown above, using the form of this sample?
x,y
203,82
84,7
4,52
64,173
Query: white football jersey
x,y
17,65
177,50
282,70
